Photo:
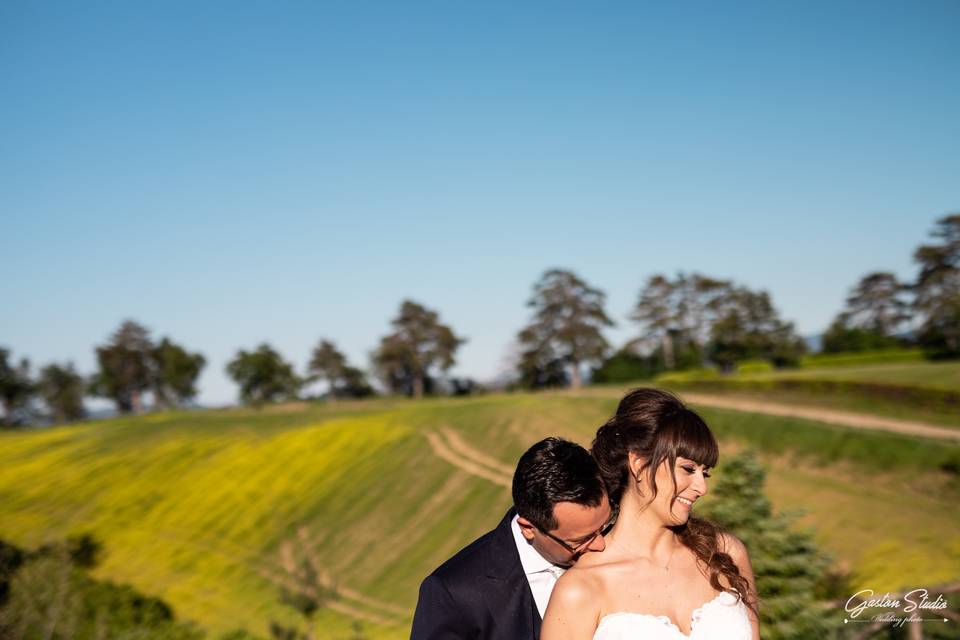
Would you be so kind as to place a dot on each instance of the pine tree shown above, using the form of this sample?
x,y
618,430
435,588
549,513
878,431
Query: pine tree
x,y
16,389
789,568
62,390
565,329
937,290
419,345
126,367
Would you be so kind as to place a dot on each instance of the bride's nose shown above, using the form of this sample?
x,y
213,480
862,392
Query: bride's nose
x,y
699,484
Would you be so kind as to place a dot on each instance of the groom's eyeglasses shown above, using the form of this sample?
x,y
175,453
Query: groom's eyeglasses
x,y
583,544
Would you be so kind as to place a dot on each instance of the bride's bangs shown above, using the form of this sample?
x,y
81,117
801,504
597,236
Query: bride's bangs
x,y
694,440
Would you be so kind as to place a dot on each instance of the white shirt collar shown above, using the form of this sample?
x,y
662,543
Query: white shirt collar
x,y
530,558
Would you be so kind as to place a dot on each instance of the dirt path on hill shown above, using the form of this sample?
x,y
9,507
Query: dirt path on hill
x,y
458,445
448,446
384,613
359,614
831,416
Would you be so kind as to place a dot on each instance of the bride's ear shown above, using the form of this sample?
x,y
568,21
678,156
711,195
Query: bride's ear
x,y
635,465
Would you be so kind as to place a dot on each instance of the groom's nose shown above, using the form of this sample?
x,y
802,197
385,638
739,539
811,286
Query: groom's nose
x,y
597,544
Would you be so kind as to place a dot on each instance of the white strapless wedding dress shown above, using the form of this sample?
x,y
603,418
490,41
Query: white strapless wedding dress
x,y
723,618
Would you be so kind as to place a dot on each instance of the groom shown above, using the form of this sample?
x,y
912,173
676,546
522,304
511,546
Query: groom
x,y
499,585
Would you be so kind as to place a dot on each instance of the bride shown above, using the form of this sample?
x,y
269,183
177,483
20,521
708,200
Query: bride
x,y
664,574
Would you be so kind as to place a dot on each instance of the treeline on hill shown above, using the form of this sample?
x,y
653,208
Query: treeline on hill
x,y
688,321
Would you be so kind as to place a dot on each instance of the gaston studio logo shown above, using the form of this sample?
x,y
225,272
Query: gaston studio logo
x,y
897,610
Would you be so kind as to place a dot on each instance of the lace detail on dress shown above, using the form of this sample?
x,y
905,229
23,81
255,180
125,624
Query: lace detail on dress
x,y
722,618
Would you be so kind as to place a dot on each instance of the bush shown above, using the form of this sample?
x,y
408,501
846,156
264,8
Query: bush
x,y
624,366
842,339
754,366
52,597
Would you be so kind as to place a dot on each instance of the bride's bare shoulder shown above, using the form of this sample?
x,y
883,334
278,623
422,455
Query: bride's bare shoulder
x,y
734,547
583,583
579,580
573,610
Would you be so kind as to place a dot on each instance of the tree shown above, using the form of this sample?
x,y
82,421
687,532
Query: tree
x,y
327,363
840,337
126,367
131,364
749,327
789,568
625,366
538,373
657,315
344,381
937,290
875,312
16,389
700,301
419,346
175,373
877,304
566,326
263,376
62,390
353,384
682,309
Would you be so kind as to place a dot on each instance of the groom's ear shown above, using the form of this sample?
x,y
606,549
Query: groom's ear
x,y
526,528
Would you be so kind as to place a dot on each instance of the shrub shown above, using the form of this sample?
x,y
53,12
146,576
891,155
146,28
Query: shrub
x,y
789,568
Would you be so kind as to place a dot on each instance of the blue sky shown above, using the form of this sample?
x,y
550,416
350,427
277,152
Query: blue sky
x,y
232,173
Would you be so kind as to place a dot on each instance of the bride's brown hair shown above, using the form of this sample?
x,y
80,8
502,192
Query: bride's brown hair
x,y
656,426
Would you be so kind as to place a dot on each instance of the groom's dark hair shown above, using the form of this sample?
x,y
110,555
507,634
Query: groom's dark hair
x,y
551,471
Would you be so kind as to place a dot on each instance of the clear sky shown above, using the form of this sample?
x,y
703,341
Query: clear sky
x,y
237,172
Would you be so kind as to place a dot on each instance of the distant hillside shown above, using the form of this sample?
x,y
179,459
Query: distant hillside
x,y
195,507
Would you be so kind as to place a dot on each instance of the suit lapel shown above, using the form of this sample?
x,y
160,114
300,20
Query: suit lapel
x,y
509,596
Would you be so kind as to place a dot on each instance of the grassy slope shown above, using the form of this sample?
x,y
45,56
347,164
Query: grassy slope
x,y
943,376
876,406
934,375
194,506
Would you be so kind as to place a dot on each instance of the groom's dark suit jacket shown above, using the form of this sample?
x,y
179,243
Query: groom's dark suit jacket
x,y
480,593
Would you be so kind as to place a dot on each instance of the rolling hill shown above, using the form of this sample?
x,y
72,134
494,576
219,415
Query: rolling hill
x,y
197,507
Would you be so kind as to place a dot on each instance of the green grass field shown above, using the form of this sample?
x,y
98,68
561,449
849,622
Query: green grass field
x,y
906,388
194,507
931,375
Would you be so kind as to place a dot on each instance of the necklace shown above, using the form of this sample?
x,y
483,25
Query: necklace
x,y
665,567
